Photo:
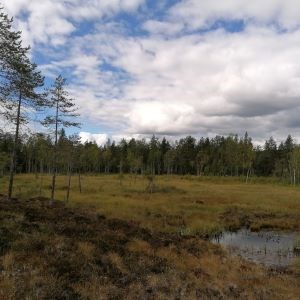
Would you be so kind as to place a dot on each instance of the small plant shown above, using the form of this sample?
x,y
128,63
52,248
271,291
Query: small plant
x,y
208,231
297,246
184,231
150,187
121,177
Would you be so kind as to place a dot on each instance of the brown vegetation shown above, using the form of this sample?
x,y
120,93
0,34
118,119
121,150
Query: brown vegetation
x,y
55,252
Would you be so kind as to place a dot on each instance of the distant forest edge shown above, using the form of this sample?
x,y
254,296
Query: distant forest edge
x,y
220,156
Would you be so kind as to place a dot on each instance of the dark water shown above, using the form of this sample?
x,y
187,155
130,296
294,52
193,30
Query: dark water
x,y
265,247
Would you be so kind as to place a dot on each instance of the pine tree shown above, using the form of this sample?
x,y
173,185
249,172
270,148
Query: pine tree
x,y
19,80
64,111
25,79
11,50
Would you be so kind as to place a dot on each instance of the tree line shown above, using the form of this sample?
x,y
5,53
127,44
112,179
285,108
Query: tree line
x,y
219,156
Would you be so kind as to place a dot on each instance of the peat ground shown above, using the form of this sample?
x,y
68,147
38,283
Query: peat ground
x,y
56,252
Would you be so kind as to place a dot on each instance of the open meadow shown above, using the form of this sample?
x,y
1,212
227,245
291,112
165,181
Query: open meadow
x,y
201,206
116,240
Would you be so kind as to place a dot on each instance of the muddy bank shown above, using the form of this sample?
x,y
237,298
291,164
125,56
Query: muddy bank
x,y
54,252
236,218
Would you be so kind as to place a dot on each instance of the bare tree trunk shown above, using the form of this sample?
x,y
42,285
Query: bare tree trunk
x,y
79,182
152,184
36,170
14,151
53,183
55,156
248,173
135,175
121,173
294,177
69,182
41,177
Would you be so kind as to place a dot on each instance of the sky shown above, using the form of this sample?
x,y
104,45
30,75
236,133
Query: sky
x,y
171,67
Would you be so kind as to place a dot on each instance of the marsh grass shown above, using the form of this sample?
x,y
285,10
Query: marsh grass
x,y
58,252
188,204
152,248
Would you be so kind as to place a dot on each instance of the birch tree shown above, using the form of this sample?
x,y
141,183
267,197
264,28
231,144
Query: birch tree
x,y
294,163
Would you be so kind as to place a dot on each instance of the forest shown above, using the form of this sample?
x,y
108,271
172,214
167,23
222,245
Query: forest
x,y
219,156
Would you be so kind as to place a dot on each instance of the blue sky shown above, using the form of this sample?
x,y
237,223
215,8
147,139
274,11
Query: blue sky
x,y
171,67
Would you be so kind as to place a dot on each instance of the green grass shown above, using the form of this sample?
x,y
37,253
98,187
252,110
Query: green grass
x,y
182,204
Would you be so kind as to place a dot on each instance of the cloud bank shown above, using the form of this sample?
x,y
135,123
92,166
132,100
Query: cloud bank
x,y
189,67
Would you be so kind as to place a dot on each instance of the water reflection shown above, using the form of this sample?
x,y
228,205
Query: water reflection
x,y
268,248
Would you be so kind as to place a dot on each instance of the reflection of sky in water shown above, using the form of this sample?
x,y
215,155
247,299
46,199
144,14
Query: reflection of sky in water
x,y
269,248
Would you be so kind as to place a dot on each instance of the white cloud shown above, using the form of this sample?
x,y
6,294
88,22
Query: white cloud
x,y
100,139
206,84
202,13
52,21
175,80
164,118
165,28
45,21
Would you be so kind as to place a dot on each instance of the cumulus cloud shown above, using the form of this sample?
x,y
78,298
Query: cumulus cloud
x,y
202,13
52,21
102,138
217,83
99,139
182,75
165,28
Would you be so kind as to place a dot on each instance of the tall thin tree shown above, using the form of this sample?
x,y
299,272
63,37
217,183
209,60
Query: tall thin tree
x,y
19,81
64,111
23,99
10,50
